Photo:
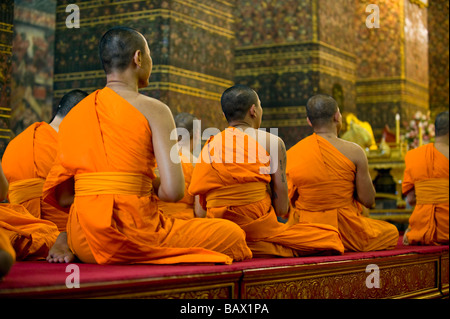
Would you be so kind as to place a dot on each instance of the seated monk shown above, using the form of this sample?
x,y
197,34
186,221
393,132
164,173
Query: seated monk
x,y
329,182
27,161
240,176
425,185
107,152
187,139
29,237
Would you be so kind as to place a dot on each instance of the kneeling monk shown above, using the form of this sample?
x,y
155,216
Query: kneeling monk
x,y
241,176
425,185
329,179
108,148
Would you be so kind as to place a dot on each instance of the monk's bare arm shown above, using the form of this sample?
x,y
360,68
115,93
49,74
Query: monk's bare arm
x,y
198,209
65,193
365,191
161,122
411,197
280,195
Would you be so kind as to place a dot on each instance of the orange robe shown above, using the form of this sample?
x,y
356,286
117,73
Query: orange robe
x,y
232,179
184,208
427,172
106,145
26,163
30,237
321,182
5,243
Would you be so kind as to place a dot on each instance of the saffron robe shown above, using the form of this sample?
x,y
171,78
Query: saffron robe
x,y
5,243
105,144
232,179
30,237
184,208
427,172
321,182
26,163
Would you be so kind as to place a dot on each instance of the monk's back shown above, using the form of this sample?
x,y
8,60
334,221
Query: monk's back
x,y
119,118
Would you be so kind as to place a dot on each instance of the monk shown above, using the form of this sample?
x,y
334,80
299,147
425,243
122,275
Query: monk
x,y
425,185
240,176
7,253
28,236
329,182
28,159
104,170
187,139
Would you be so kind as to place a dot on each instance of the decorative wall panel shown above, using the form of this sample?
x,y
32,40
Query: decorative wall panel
x,y
6,39
191,43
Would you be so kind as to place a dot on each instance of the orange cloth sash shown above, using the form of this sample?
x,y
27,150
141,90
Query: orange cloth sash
x,y
112,183
432,191
236,195
25,190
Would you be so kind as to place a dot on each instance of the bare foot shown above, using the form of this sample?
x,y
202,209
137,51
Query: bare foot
x,y
60,251
405,238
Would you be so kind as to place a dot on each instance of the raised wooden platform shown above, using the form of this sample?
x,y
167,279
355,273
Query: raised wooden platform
x,y
405,272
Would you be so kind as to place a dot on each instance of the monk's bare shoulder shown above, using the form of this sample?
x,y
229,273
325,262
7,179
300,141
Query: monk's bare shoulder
x,y
272,141
352,151
153,109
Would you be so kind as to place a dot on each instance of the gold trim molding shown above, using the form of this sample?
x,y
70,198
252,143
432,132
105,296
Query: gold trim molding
x,y
420,3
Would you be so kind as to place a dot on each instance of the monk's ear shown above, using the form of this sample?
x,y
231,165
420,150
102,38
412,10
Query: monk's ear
x,y
137,58
253,110
337,116
309,122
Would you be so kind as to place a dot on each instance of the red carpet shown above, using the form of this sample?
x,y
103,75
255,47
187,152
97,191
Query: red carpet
x,y
36,274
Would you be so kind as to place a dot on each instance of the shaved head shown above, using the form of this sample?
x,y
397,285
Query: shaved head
x,y
68,101
118,46
441,124
236,101
321,109
185,120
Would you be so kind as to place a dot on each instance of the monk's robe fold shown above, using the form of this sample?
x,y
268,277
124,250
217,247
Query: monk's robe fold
x,y
5,243
30,237
26,163
321,182
232,179
184,208
105,144
427,172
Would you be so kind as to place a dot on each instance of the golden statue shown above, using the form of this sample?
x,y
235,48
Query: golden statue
x,y
358,132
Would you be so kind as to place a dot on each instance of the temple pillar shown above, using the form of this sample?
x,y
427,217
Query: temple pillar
x,y
290,50
438,55
6,39
191,43
392,63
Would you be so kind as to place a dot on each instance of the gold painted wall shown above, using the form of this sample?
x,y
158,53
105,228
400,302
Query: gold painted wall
x,y
6,39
